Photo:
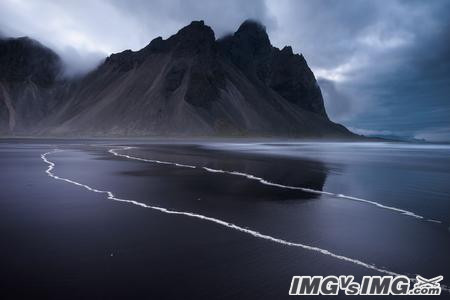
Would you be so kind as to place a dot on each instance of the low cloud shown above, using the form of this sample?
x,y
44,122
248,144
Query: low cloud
x,y
77,63
84,34
370,132
339,105
441,134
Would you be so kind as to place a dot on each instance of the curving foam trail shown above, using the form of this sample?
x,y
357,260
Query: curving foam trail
x,y
110,196
266,182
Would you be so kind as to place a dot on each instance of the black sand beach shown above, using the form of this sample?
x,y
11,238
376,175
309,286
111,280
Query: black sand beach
x,y
60,240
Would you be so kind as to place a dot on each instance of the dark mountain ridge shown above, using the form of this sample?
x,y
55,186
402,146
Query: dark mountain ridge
x,y
187,85
28,72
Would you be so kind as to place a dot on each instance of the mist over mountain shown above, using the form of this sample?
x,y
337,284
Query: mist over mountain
x,y
187,85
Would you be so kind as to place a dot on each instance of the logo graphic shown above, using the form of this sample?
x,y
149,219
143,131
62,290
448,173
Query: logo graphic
x,y
370,285
425,286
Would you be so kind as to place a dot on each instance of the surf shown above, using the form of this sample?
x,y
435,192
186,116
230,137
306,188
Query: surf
x,y
274,184
110,196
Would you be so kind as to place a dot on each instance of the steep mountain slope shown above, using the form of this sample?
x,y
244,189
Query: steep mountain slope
x,y
193,85
28,72
284,72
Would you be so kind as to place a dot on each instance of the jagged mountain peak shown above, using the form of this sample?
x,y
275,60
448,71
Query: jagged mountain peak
x,y
287,50
196,28
192,39
253,28
189,84
252,38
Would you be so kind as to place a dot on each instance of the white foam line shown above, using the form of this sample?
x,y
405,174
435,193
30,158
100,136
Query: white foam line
x,y
434,221
110,196
266,182
148,160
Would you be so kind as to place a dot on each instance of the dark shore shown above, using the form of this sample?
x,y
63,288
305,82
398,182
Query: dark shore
x,y
62,241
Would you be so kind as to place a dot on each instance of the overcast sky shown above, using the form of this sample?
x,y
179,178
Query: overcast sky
x,y
383,66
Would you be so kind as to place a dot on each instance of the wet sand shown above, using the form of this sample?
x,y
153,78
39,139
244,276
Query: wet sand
x,y
61,240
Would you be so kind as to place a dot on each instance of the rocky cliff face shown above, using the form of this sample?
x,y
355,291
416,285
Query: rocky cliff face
x,y
188,85
283,71
28,72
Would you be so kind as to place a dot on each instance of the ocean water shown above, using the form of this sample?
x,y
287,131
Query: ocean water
x,y
414,177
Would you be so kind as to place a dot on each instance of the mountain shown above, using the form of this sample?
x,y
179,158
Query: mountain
x,y
187,85
28,72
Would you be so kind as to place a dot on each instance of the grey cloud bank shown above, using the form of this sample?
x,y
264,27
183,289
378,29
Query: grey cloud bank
x,y
383,66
